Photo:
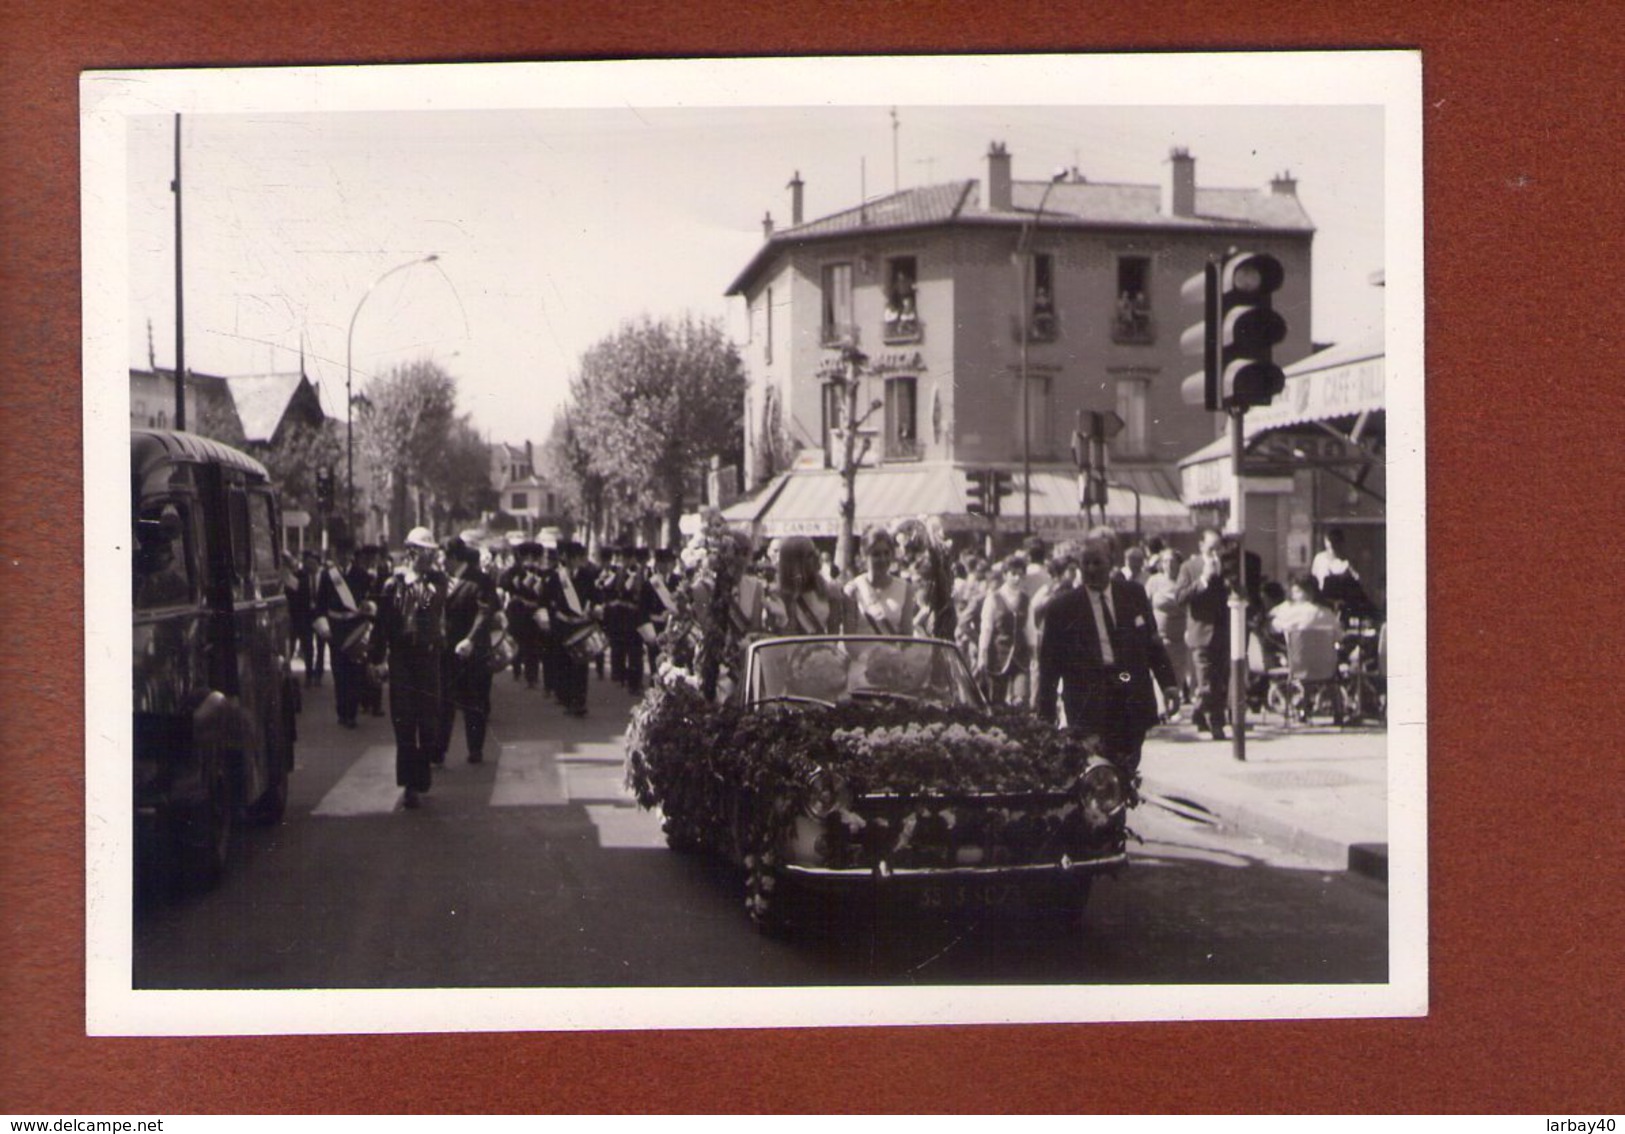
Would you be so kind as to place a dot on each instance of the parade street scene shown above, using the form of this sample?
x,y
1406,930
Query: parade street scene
x,y
756,547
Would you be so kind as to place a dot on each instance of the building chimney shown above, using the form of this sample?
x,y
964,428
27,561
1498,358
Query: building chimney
x,y
998,177
1179,190
795,187
1284,184
767,226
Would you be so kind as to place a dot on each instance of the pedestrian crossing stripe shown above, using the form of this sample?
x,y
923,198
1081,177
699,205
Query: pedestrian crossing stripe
x,y
528,776
367,786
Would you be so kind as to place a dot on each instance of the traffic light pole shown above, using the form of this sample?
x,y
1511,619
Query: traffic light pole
x,y
1238,593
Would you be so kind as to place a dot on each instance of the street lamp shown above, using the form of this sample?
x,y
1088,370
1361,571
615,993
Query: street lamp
x,y
1025,266
349,397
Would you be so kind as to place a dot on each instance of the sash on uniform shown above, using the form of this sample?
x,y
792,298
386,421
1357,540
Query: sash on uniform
x,y
343,588
664,594
810,622
570,595
869,600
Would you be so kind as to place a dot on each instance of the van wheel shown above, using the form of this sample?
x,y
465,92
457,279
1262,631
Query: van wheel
x,y
205,844
272,804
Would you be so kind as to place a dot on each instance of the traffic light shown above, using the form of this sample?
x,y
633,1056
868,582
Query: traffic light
x,y
1237,332
976,494
984,490
999,487
1202,338
1091,489
324,489
1251,327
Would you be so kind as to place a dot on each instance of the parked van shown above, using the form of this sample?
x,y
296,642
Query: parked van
x,y
215,696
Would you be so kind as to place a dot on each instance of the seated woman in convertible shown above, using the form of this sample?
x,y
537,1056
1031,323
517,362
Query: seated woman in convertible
x,y
804,602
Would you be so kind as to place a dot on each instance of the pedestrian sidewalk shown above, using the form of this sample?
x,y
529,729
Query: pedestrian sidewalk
x,y
1317,791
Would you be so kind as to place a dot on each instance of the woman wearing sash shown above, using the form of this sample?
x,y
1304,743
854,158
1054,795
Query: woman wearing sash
x,y
879,602
804,602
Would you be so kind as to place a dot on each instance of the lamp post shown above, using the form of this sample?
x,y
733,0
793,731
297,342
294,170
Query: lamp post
x,y
349,396
1025,266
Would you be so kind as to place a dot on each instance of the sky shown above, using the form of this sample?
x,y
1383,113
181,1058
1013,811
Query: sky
x,y
555,224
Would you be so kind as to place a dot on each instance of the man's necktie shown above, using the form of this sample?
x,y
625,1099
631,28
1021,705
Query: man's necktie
x,y
1110,645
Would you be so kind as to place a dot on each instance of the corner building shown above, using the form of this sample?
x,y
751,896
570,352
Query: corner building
x,y
939,286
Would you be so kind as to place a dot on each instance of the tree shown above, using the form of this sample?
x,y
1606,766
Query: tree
x,y
567,462
847,373
298,454
654,402
404,431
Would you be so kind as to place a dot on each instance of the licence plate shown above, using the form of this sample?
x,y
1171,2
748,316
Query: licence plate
x,y
959,896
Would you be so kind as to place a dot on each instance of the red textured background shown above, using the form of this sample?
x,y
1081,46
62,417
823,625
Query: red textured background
x,y
1525,480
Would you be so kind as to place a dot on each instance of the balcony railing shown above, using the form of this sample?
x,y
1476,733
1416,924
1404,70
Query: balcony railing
x,y
1134,328
902,329
1043,327
903,449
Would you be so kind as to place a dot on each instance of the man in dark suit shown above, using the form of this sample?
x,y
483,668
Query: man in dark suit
x,y
1204,590
1100,646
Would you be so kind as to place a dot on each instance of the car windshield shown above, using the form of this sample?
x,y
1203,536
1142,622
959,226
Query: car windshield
x,y
836,670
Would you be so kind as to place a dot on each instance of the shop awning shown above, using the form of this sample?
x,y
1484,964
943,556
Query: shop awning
x,y
808,502
1341,383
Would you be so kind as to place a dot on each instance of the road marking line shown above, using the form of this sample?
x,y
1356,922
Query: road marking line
x,y
597,753
527,775
595,782
367,786
626,828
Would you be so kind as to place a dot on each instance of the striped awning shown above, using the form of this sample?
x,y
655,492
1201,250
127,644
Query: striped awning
x,y
808,502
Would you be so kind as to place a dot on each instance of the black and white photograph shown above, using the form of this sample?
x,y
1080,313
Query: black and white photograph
x,y
755,543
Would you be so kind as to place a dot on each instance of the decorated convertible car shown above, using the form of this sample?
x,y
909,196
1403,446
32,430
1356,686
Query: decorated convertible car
x,y
872,764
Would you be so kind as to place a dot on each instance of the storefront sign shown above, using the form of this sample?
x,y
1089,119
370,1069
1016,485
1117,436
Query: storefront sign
x,y
1341,391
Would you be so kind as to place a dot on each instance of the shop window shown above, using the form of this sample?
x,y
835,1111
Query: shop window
x,y
902,419
836,280
902,314
1131,317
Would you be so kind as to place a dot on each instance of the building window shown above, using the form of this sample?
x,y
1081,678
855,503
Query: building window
x,y
1131,317
1043,322
837,306
902,315
830,414
767,328
1039,438
552,505
902,419
1133,442
519,501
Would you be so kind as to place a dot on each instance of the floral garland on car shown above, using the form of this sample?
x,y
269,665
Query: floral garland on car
x,y
686,754
699,647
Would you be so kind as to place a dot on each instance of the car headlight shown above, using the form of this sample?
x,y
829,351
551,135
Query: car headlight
x,y
827,794
1101,790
